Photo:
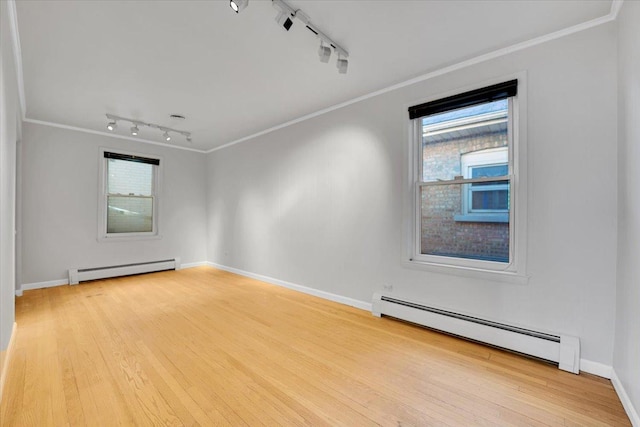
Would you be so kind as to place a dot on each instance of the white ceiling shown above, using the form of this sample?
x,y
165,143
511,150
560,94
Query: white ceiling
x,y
235,75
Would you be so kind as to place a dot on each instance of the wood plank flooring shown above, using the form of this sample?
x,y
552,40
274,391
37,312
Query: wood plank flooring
x,y
205,347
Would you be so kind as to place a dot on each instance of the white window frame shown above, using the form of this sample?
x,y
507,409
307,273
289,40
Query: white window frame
x,y
103,206
515,270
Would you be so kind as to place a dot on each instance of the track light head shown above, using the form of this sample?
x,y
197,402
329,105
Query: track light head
x,y
134,130
112,125
284,20
189,138
166,136
324,53
238,5
342,65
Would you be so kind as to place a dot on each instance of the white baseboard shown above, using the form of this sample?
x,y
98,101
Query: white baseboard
x,y
193,264
7,360
304,289
52,283
595,368
632,413
40,285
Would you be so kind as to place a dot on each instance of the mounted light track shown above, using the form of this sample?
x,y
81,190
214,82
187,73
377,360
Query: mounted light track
x,y
135,129
285,19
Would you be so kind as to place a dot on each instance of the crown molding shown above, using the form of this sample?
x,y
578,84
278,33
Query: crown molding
x,y
612,15
111,135
17,55
616,5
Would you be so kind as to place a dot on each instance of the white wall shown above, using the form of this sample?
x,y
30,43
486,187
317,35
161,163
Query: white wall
x,y
320,203
60,204
627,332
9,125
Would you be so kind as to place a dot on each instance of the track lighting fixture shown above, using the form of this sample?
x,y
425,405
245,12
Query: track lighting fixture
x,y
285,17
135,129
284,20
324,52
342,65
285,14
238,5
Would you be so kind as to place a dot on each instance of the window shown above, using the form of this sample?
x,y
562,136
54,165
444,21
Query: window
x,y
129,201
464,176
485,201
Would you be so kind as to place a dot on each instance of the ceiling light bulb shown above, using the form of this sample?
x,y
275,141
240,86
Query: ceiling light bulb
x,y
324,53
134,130
112,125
342,65
238,5
166,136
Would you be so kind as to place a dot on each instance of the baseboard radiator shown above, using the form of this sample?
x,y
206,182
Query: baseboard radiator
x,y
561,349
78,275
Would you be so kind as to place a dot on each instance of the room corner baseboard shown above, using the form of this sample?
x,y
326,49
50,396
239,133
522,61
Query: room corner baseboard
x,y
632,412
304,289
60,282
41,285
595,368
4,372
193,264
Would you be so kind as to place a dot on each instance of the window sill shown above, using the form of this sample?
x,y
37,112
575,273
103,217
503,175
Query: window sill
x,y
103,239
492,217
475,273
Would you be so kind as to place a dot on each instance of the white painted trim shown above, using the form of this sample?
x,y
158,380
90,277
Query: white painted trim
x,y
60,282
193,264
458,66
632,412
304,289
616,5
111,135
42,285
8,357
612,15
17,55
595,368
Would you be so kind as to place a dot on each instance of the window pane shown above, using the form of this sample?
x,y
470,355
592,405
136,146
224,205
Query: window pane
x,y
448,136
494,200
442,235
486,171
130,178
129,214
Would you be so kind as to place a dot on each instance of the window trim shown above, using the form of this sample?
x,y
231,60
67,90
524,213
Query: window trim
x,y
103,236
515,271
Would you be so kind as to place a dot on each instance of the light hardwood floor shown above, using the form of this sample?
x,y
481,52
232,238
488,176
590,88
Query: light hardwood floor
x,y
206,347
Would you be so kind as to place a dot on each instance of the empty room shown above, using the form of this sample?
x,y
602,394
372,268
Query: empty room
x,y
308,212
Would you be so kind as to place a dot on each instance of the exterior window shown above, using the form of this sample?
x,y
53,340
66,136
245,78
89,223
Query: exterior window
x,y
485,201
464,171
129,199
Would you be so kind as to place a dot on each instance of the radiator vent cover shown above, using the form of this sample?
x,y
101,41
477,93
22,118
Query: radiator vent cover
x,y
558,348
77,275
